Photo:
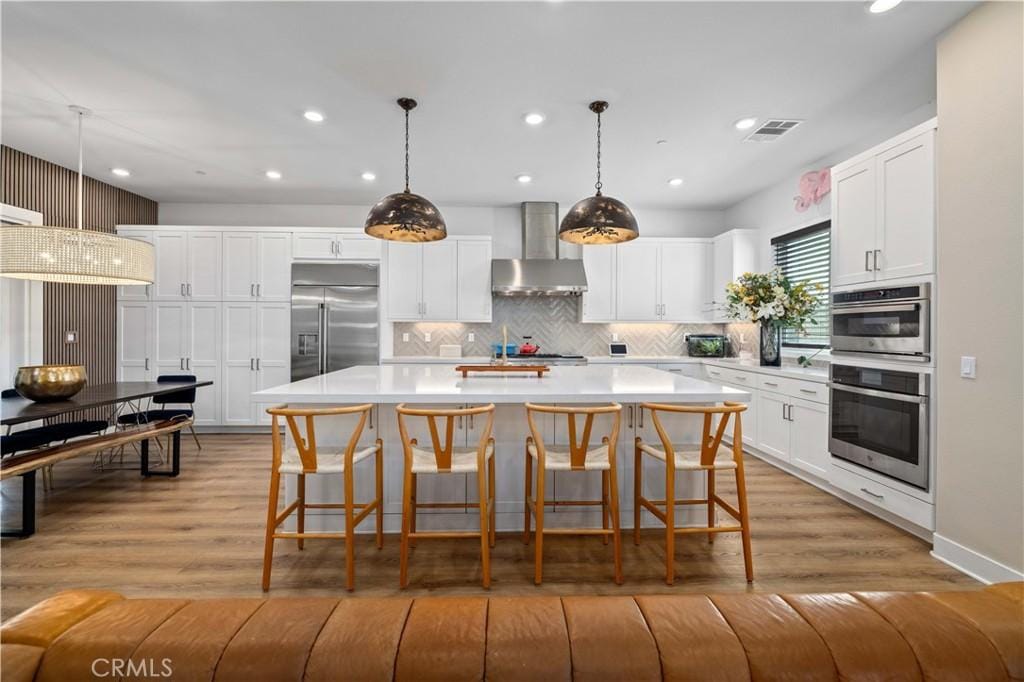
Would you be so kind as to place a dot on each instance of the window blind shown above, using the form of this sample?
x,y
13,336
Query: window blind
x,y
803,256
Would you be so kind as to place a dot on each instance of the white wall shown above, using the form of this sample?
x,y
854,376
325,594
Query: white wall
x,y
501,223
980,248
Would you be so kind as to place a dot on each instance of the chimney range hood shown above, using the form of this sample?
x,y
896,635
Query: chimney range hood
x,y
540,272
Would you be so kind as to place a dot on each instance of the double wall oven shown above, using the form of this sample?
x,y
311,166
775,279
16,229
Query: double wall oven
x,y
880,411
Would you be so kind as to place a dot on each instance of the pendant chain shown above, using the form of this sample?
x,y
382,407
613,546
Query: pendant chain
x,y
407,150
598,184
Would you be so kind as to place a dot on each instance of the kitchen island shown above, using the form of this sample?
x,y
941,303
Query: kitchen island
x,y
440,385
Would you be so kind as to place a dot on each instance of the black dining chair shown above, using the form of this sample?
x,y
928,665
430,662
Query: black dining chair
x,y
186,396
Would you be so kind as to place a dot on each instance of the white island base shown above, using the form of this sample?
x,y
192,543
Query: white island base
x,y
386,386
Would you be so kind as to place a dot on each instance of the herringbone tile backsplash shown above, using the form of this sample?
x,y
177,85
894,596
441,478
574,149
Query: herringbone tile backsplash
x,y
553,324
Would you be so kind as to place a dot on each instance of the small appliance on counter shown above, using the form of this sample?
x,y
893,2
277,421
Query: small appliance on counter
x,y
707,345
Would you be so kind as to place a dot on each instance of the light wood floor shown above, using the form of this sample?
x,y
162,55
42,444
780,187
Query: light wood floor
x,y
202,535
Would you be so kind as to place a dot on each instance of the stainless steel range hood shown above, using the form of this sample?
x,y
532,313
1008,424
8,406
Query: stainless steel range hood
x,y
540,272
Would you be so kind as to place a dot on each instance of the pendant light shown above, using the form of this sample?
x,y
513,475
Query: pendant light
x,y
404,216
598,219
74,255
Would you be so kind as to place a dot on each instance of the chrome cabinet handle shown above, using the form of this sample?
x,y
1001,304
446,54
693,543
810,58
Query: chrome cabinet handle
x,y
769,383
641,422
252,365
470,421
371,416
181,363
188,363
630,416
258,292
258,368
740,377
874,495
878,252
147,364
252,290
183,289
188,288
867,261
807,390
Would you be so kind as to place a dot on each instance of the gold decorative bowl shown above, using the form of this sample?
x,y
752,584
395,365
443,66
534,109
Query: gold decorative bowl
x,y
46,383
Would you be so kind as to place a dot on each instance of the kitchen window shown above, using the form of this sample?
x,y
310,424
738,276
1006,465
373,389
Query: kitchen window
x,y
803,256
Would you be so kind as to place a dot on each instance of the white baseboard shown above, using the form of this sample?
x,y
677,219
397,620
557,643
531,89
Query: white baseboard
x,y
974,564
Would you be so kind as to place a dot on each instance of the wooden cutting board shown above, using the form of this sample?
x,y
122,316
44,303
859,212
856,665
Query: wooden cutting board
x,y
539,370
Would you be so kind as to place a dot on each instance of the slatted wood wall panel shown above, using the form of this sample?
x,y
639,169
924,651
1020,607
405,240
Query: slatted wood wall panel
x,y
37,185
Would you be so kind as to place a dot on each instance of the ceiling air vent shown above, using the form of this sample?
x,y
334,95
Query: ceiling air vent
x,y
772,130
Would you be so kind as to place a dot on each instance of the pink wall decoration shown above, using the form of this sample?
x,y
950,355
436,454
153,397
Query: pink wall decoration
x,y
814,186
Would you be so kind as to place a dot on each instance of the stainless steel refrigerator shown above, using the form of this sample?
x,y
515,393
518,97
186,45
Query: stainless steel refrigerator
x,y
334,317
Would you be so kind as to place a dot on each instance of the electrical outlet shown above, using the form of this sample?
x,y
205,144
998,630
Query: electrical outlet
x,y
426,336
405,337
615,337
471,337
968,367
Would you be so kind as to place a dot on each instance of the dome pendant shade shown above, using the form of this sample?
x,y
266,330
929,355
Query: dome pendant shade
x,y
405,217
598,220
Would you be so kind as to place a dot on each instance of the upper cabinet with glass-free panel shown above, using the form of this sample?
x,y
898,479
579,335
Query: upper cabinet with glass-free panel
x,y
335,245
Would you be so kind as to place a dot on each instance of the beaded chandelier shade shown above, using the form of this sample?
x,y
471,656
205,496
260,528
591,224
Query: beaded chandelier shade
x,y
74,255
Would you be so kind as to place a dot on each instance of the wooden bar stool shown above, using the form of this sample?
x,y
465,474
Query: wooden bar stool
x,y
710,456
576,455
444,458
307,458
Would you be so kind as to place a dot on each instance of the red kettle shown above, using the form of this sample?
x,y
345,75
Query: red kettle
x,y
528,347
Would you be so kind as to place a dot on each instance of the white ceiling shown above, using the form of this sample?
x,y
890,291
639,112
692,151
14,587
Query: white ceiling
x,y
220,88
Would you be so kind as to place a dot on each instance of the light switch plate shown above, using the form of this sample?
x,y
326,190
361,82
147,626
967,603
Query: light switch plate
x,y
471,337
615,337
426,336
70,337
968,367
405,337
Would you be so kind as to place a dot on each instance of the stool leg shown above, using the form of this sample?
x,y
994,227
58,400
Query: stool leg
x,y
638,468
604,505
380,494
711,503
350,530
526,498
412,516
485,544
301,510
670,522
613,483
268,545
403,562
741,494
490,500
538,505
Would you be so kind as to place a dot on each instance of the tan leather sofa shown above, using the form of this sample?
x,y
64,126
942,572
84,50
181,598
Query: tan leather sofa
x,y
956,636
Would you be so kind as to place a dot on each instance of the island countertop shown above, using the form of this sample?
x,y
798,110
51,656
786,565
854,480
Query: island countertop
x,y
426,384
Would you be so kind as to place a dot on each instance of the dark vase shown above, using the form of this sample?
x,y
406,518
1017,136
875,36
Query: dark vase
x,y
771,344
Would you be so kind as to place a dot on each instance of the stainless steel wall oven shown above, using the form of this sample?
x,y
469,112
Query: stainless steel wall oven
x,y
889,322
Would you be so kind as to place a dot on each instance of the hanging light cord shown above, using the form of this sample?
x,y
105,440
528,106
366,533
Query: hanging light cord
x,y
407,151
80,170
598,185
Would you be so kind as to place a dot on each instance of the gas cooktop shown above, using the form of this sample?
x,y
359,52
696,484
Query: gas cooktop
x,y
549,358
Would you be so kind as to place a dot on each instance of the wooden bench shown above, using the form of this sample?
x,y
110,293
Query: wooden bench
x,y
27,464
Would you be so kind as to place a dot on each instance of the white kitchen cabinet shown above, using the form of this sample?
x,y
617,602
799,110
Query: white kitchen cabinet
x,y
686,369
404,281
684,281
883,211
474,280
134,341
257,266
599,264
732,254
809,437
238,362
204,266
440,288
321,245
273,351
188,265
203,358
170,333
171,271
637,295
773,435
139,292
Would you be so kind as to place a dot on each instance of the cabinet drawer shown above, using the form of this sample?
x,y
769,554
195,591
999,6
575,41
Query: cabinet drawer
x,y
744,379
893,501
715,373
794,388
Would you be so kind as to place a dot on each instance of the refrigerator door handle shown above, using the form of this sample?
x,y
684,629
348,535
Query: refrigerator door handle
x,y
321,329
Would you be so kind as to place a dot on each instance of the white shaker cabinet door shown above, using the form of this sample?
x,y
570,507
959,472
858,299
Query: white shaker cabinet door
x,y
359,247
854,224
140,292
274,260
906,183
273,352
684,282
170,332
171,248
440,280
809,437
772,425
599,265
474,281
314,245
241,269
238,364
134,341
203,360
404,281
637,281
204,266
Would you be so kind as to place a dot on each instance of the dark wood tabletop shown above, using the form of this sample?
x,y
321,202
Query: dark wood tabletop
x,y
19,410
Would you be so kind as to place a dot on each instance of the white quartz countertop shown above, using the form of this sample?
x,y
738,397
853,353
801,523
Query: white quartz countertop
x,y
425,383
643,359
817,374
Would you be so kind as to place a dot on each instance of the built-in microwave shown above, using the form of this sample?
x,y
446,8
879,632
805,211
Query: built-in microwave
x,y
888,322
879,420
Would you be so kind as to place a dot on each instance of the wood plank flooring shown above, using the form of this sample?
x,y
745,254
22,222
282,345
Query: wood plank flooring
x,y
201,535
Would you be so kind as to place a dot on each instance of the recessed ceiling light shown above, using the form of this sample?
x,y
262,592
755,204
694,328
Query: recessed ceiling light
x,y
524,179
745,123
274,175
879,6
121,172
368,176
314,116
534,118
675,182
